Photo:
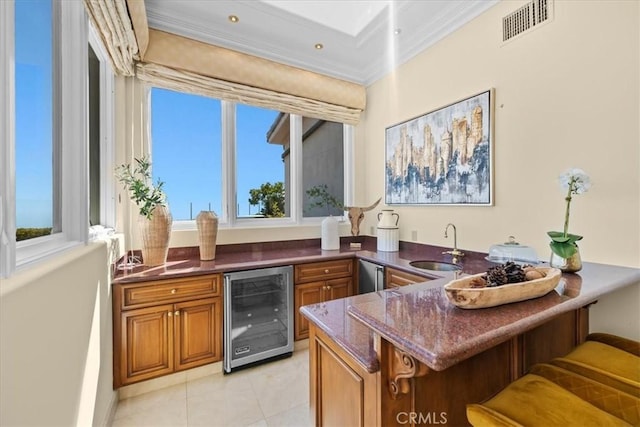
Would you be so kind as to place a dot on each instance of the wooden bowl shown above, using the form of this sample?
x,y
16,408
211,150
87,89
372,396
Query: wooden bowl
x,y
463,295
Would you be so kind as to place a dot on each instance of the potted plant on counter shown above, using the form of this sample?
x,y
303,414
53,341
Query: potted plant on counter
x,y
155,218
565,253
320,197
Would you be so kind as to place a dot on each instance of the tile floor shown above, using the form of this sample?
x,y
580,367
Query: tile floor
x,y
273,394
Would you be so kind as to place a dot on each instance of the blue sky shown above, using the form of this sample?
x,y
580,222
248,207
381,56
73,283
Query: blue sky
x,y
33,127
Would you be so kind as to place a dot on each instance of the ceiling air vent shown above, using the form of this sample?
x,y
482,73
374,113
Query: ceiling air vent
x,y
526,18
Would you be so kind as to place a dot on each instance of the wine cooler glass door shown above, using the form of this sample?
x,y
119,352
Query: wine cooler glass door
x,y
259,315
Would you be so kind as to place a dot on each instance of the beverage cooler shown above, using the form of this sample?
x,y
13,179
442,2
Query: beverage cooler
x,y
258,316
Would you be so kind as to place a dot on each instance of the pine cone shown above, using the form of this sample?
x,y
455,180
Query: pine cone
x,y
496,276
514,272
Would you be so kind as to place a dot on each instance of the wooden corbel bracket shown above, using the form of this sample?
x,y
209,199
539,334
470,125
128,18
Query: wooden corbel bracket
x,y
403,368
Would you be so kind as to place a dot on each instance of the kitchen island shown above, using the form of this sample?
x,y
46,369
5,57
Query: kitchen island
x,y
410,357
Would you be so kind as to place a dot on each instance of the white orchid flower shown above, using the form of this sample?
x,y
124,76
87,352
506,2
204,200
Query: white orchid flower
x,y
573,181
575,178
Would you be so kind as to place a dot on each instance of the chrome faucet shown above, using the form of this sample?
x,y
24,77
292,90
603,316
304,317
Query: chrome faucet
x,y
456,253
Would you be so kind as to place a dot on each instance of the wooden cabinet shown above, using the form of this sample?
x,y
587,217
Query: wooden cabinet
x,y
394,278
165,326
318,282
342,392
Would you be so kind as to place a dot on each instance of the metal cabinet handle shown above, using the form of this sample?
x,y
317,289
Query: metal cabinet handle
x,y
173,291
326,271
177,313
170,314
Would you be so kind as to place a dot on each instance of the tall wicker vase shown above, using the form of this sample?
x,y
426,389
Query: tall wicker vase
x,y
155,234
207,223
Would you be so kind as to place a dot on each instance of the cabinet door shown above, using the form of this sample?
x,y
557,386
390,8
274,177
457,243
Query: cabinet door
x,y
198,332
338,288
339,392
146,343
310,293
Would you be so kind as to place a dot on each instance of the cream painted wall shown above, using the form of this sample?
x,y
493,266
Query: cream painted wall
x,y
567,94
56,341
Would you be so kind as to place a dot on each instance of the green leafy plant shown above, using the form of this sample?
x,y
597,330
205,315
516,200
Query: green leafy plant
x,y
137,180
320,197
563,243
270,197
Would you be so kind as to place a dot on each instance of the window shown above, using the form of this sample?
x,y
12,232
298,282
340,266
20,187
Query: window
x,y
100,101
94,137
37,214
323,160
260,170
187,151
204,149
44,129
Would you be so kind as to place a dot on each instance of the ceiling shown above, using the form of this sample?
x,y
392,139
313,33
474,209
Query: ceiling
x,y
358,36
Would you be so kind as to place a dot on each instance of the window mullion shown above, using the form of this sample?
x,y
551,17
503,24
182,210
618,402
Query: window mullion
x,y
7,134
295,173
229,184
349,163
57,124
73,118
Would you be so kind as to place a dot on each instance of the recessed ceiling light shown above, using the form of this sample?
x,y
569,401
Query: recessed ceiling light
x,y
397,31
233,18
319,46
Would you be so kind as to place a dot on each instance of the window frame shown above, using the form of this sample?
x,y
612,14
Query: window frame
x,y
107,131
228,217
70,135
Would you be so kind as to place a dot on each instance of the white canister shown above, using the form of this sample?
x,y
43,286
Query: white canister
x,y
388,239
388,219
330,239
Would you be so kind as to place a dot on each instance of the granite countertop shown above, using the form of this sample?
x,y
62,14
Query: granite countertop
x,y
420,320
185,262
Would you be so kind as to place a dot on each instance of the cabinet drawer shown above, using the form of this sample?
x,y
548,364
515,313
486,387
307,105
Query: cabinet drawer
x,y
163,291
395,278
323,270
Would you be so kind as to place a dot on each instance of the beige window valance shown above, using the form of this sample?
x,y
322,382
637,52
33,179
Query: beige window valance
x,y
188,65
185,81
194,56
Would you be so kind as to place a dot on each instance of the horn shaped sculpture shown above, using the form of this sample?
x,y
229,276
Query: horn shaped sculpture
x,y
356,215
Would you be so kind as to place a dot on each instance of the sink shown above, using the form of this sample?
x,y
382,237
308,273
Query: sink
x,y
435,265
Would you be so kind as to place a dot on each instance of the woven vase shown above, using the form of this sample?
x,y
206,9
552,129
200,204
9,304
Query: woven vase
x,y
155,233
207,223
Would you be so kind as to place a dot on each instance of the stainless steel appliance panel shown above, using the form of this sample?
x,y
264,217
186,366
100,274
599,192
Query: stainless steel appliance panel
x,y
371,277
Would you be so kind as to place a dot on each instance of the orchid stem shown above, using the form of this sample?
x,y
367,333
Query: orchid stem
x,y
566,215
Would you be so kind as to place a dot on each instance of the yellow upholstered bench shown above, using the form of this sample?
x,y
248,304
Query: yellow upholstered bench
x,y
625,344
607,359
596,384
551,396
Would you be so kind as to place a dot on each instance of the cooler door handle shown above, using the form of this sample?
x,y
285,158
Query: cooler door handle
x,y
379,270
